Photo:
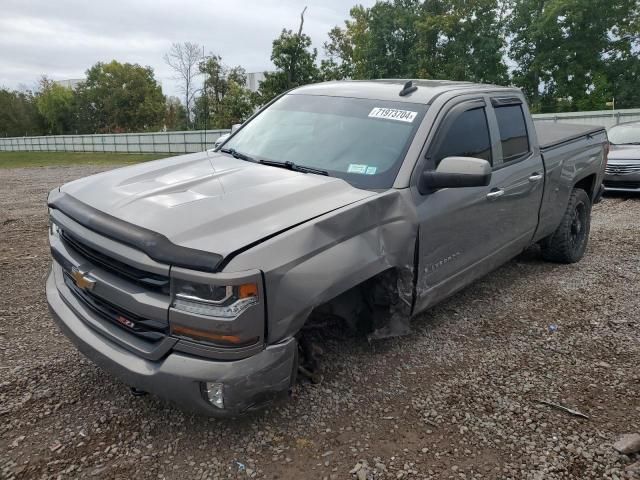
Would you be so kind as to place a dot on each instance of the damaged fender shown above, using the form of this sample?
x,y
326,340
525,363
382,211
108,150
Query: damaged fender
x,y
326,256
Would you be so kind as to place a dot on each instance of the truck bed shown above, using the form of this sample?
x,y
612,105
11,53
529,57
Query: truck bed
x,y
552,134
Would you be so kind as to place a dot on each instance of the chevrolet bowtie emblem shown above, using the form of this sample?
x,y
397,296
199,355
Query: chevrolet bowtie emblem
x,y
82,279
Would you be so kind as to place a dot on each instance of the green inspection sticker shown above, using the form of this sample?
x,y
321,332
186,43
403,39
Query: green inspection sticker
x,y
361,169
357,168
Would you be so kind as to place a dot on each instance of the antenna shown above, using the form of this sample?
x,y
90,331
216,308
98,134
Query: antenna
x,y
206,99
408,88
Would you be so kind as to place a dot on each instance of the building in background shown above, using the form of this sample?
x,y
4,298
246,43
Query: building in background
x,y
71,83
254,79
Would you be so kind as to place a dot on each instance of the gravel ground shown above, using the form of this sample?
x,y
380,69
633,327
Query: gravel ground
x,y
459,398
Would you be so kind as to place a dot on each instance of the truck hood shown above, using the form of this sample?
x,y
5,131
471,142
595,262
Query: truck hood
x,y
212,202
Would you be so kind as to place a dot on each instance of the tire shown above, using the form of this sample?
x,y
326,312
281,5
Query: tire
x,y
569,242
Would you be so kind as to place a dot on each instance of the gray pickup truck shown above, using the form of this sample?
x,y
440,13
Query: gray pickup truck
x,y
194,277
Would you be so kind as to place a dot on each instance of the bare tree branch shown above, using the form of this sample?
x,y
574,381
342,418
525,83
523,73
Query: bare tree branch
x,y
183,59
294,57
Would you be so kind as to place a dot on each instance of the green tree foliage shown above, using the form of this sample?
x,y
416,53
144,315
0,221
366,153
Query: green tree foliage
x,y
175,117
566,54
386,42
339,52
19,114
576,54
295,63
56,104
225,100
120,97
453,39
462,40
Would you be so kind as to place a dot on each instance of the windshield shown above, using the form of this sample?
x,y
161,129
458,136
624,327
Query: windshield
x,y
362,141
624,134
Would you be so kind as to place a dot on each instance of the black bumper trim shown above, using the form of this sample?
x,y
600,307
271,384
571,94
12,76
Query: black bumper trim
x,y
155,245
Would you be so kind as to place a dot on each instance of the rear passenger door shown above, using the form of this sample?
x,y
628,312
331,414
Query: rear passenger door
x,y
518,174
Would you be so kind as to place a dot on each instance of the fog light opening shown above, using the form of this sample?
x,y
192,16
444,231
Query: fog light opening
x,y
215,393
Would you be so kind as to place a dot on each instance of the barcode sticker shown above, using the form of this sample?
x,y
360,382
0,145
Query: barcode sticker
x,y
393,114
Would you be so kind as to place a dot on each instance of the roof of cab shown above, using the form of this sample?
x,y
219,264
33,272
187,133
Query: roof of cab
x,y
389,89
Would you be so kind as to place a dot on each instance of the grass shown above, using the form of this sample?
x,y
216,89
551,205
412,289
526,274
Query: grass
x,y
49,159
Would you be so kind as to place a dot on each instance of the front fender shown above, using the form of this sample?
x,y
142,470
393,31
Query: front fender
x,y
320,259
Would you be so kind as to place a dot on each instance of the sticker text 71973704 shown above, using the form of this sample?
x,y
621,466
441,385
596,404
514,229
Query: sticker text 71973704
x,y
393,114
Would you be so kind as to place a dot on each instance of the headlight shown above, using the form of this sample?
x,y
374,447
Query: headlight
x,y
214,300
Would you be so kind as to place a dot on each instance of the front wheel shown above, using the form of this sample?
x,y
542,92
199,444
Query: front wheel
x,y
569,242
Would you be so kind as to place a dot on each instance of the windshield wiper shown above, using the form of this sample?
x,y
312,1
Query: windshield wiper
x,y
295,167
236,154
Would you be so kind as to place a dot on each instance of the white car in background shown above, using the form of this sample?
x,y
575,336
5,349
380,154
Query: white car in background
x,y
622,173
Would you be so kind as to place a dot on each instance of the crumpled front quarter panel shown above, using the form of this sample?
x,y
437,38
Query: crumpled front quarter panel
x,y
314,262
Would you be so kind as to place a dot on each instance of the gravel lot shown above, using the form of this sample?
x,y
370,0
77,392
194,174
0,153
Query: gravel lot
x,y
459,398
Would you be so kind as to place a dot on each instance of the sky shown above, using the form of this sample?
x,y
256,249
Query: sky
x,y
63,38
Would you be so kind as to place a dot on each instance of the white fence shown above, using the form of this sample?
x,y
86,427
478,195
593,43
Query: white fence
x,y
198,140
606,118
162,142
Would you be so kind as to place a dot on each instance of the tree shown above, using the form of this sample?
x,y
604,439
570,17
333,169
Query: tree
x,y
452,39
117,97
339,52
225,99
184,60
295,63
56,104
387,46
571,54
175,117
459,40
19,114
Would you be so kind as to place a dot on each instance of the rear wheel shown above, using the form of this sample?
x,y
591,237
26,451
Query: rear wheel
x,y
569,242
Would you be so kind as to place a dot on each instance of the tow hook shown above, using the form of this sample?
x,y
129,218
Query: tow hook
x,y
137,392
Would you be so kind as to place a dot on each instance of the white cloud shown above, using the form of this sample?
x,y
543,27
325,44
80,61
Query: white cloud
x,y
63,39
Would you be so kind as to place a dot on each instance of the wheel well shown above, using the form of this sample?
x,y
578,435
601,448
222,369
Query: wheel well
x,y
370,304
587,184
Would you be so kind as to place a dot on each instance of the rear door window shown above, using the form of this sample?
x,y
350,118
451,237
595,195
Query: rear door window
x,y
513,132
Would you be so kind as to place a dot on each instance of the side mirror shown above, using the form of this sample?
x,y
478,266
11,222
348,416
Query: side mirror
x,y
456,172
235,127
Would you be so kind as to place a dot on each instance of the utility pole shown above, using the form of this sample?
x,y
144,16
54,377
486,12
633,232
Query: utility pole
x,y
206,99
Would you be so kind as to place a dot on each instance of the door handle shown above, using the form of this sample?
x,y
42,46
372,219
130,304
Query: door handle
x,y
535,177
495,194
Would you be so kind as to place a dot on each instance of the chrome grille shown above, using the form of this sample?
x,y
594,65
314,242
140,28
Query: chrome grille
x,y
622,168
152,281
142,327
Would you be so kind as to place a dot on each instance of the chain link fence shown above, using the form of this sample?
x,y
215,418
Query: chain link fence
x,y
606,118
161,142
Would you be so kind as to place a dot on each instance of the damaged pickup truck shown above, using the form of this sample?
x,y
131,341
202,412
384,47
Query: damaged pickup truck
x,y
193,277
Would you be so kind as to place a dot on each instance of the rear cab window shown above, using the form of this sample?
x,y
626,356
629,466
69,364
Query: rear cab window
x,y
512,127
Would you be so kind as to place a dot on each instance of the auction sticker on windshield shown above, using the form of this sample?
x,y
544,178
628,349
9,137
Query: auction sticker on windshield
x,y
393,114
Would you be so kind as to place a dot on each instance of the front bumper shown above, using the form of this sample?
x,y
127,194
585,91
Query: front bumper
x,y
621,182
248,383
615,186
